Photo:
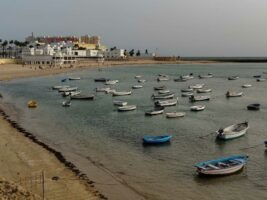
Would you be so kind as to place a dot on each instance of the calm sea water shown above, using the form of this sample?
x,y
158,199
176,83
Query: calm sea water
x,y
96,131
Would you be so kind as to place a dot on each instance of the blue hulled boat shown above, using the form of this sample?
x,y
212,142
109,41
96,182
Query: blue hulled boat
x,y
222,166
156,139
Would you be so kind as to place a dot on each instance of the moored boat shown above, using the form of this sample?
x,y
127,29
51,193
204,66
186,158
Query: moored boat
x,y
257,76
101,79
122,93
254,106
175,114
222,166
71,93
32,104
141,80
166,103
83,97
163,96
120,103
233,78
66,103
163,78
164,91
187,90
137,86
127,108
203,90
68,89
163,87
205,76
74,78
197,108
199,98
246,86
156,111
57,87
180,79
233,131
156,139
260,79
196,86
187,94
106,89
233,94
111,82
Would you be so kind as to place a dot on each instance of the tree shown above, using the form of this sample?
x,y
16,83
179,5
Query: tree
x,y
146,51
131,53
125,53
138,53
4,44
113,48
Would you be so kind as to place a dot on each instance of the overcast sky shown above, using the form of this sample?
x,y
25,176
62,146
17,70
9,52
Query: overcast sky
x,y
174,27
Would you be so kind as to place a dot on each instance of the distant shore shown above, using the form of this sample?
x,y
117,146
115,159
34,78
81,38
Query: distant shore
x,y
14,71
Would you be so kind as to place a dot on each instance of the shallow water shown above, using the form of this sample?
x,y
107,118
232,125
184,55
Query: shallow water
x,y
96,131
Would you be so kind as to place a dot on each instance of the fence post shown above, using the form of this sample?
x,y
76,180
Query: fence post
x,y
43,188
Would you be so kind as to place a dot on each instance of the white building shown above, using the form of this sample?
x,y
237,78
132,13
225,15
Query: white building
x,y
116,53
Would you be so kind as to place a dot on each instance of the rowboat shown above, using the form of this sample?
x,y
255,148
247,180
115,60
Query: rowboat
x,y
156,111
68,89
246,86
164,78
127,108
175,114
197,86
137,86
32,104
257,76
163,96
187,94
102,89
156,139
101,79
204,90
199,98
205,76
83,97
141,80
197,108
116,93
74,78
261,79
71,93
255,106
111,82
64,80
163,91
66,103
233,78
180,79
163,87
166,103
233,131
187,90
57,87
187,77
138,76
119,103
222,166
233,94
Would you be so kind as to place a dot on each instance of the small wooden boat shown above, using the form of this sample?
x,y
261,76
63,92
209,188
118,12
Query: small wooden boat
x,y
204,90
175,114
197,86
116,93
64,80
257,76
66,103
163,87
197,108
233,78
101,79
137,86
233,94
141,80
163,78
83,97
32,104
261,79
68,89
187,77
164,91
127,108
205,76
187,94
138,76
119,103
156,139
57,87
102,89
199,98
187,90
74,78
180,79
246,86
222,166
166,103
111,82
233,131
163,96
71,93
255,106
156,111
